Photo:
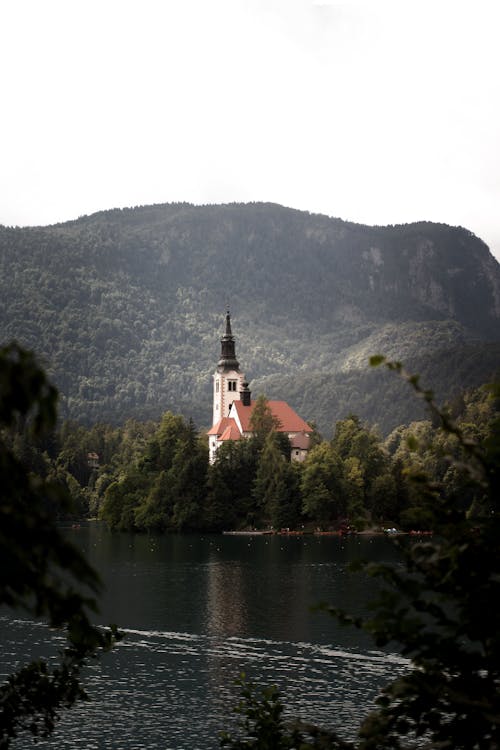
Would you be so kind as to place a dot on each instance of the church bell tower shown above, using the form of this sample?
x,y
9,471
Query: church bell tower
x,y
228,379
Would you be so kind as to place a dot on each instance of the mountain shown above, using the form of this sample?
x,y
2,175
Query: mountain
x,y
126,308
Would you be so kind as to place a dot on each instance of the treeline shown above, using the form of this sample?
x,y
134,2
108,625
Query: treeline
x,y
376,396
156,476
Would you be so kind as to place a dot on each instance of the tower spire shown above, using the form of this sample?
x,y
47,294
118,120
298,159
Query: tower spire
x,y
228,359
229,386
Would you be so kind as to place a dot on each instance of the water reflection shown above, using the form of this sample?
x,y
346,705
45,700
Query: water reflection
x,y
198,610
226,598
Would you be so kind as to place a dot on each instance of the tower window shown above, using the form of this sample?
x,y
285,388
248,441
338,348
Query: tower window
x,y
231,385
217,386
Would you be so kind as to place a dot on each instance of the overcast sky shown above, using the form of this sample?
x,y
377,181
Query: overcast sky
x,y
378,112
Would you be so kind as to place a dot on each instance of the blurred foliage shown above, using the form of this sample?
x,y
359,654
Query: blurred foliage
x,y
41,573
440,607
262,725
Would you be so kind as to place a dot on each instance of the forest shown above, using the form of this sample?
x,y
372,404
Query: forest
x,y
125,309
155,476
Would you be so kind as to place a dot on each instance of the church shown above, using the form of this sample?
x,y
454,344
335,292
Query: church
x,y
233,406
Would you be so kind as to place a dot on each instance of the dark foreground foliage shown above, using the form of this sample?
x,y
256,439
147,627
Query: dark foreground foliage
x,y
263,726
41,573
441,609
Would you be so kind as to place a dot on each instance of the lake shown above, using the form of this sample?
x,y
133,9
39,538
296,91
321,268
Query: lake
x,y
197,611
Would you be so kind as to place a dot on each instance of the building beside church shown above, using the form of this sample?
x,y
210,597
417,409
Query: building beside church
x,y
233,406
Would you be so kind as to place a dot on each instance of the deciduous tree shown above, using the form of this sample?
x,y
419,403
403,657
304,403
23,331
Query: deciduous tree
x,y
41,573
321,484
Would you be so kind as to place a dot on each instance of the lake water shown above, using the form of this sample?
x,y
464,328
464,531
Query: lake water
x,y
197,611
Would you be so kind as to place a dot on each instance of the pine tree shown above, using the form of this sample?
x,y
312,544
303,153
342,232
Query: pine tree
x,y
275,487
187,477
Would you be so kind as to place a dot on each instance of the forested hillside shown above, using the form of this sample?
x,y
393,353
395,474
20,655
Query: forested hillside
x,y
126,307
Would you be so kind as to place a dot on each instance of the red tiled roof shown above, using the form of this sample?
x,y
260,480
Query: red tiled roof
x,y
288,418
231,432
220,426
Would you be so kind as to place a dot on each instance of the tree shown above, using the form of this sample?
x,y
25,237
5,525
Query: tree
x,y
163,486
353,487
263,726
40,571
122,498
321,484
275,488
441,607
155,512
229,501
219,511
354,441
262,420
188,480
160,451
384,497
73,454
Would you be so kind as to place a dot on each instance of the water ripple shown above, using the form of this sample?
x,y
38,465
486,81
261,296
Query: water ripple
x,y
169,690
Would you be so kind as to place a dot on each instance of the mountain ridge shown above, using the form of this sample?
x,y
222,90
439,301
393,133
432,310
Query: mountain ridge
x,y
126,305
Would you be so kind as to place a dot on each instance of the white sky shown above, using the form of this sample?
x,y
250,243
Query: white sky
x,y
375,111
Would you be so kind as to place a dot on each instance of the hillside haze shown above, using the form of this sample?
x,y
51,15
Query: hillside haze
x,y
126,308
